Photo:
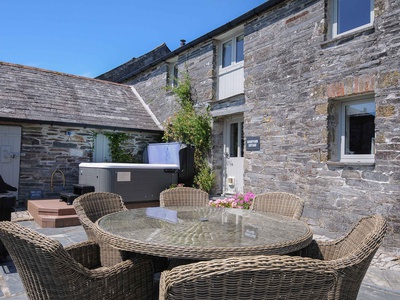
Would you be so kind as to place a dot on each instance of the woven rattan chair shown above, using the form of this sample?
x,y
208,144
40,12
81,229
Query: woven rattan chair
x,y
184,196
350,255
92,206
249,277
279,203
50,271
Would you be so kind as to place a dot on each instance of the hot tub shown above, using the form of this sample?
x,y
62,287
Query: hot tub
x,y
134,182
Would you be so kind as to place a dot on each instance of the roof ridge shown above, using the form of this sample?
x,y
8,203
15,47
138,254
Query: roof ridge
x,y
60,73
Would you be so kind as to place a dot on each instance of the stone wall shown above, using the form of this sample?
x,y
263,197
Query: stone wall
x,y
46,148
152,84
293,75
296,76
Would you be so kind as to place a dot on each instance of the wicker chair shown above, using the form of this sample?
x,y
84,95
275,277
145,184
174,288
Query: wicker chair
x,y
249,277
50,271
184,196
279,203
92,206
350,255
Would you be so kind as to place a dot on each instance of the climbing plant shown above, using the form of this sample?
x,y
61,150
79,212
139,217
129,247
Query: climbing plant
x,y
191,127
117,151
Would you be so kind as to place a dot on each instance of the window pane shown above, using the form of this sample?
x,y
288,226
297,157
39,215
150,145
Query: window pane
x,y
175,80
233,147
352,14
226,54
242,140
239,48
360,128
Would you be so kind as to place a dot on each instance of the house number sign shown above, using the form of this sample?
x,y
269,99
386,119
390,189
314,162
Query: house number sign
x,y
252,143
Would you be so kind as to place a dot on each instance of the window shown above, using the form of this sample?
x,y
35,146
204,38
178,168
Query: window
x,y
350,15
172,76
232,51
227,54
357,124
230,67
236,145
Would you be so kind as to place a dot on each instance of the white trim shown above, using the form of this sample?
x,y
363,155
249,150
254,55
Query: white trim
x,y
226,151
147,108
357,158
334,15
234,64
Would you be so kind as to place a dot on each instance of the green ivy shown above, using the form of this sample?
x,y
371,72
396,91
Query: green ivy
x,y
116,142
190,127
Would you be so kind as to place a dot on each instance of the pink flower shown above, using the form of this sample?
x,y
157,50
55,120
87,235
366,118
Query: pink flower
x,y
237,201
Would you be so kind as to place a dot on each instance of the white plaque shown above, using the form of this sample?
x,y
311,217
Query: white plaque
x,y
123,176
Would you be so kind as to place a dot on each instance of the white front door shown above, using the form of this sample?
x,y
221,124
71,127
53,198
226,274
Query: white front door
x,y
233,150
10,150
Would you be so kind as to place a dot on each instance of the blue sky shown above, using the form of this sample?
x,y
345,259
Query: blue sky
x,y
88,38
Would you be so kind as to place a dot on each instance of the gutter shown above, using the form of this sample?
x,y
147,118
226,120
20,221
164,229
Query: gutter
x,y
76,124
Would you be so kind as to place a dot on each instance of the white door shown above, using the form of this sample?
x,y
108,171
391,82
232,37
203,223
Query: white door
x,y
233,150
10,150
101,149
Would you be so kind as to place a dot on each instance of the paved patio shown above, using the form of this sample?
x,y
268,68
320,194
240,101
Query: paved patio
x,y
382,280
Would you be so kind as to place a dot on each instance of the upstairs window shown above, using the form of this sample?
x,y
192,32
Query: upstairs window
x,y
351,15
232,51
172,76
231,61
358,130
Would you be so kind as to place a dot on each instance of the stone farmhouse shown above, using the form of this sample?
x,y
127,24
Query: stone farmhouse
x,y
304,95
305,98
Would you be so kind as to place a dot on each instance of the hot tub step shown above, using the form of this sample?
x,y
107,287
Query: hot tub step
x,y
52,213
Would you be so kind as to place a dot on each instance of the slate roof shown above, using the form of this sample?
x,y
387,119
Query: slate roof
x,y
125,71
37,95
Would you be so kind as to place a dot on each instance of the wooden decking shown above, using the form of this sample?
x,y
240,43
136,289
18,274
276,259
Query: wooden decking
x,y
53,213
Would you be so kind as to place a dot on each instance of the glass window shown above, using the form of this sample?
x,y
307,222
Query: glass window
x,y
236,147
232,51
226,54
173,71
239,48
351,14
358,130
233,148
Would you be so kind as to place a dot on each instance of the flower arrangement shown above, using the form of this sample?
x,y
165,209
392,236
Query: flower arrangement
x,y
174,185
237,201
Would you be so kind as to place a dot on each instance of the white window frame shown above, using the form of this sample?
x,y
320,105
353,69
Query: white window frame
x,y
353,158
335,19
173,73
234,64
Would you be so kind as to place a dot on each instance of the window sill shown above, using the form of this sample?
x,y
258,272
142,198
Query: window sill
x,y
346,37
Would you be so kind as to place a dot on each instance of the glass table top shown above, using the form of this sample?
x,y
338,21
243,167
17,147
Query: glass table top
x,y
205,229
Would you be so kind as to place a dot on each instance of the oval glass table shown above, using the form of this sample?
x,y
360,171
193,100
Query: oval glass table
x,y
202,233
